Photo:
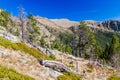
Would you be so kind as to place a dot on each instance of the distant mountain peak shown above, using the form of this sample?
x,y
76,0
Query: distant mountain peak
x,y
111,25
66,23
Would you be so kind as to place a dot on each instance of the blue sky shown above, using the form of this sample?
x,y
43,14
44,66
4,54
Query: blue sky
x,y
76,10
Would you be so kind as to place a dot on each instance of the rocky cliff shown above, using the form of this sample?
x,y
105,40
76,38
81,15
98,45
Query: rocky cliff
x,y
110,25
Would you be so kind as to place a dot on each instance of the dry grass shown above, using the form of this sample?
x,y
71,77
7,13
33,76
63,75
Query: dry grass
x,y
91,71
23,63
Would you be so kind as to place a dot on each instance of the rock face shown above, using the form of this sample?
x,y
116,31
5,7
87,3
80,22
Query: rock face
x,y
112,24
109,25
106,25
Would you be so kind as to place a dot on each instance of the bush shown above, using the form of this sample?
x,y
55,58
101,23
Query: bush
x,y
52,56
113,77
68,49
71,66
10,74
68,76
43,42
5,19
23,48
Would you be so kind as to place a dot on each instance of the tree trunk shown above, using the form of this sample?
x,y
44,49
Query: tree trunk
x,y
55,65
22,28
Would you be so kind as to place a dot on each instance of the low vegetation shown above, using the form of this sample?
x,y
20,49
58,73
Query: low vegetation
x,y
113,77
10,74
69,76
52,56
5,19
22,47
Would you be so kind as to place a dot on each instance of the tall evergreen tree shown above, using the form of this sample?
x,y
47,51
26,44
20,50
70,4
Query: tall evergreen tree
x,y
106,54
115,51
87,43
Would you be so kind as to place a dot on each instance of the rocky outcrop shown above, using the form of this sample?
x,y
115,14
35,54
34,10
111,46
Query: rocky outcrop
x,y
111,25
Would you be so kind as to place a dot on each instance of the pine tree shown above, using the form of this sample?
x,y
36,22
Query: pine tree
x,y
106,54
114,48
115,51
87,41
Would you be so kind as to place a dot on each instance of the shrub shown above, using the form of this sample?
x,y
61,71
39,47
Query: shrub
x,y
23,48
10,74
71,66
113,77
42,42
68,49
68,76
52,56
69,57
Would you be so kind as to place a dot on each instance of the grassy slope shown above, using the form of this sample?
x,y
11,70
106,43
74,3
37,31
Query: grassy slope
x,y
68,76
22,47
113,77
10,74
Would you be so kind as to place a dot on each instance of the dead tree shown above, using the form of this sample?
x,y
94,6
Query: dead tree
x,y
77,66
55,65
22,17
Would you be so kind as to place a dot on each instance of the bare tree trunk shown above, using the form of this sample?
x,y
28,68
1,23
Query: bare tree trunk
x,y
55,65
77,67
22,16
22,28
80,48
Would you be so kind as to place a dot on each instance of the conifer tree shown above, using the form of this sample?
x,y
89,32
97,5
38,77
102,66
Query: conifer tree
x,y
86,41
115,51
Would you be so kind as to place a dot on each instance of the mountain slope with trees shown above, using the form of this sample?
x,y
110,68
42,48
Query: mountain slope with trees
x,y
96,44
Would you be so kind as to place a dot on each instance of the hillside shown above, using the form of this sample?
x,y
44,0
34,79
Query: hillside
x,y
92,72
25,64
65,23
28,65
109,25
89,49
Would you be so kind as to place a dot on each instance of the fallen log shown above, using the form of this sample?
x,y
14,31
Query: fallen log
x,y
55,65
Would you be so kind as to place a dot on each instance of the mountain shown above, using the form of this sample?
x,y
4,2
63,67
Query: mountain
x,y
50,41
109,25
65,23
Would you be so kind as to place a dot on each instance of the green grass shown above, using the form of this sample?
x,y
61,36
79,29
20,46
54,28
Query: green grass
x,y
23,48
68,76
52,56
113,77
10,74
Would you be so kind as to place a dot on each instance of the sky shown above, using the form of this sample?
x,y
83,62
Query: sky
x,y
76,10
